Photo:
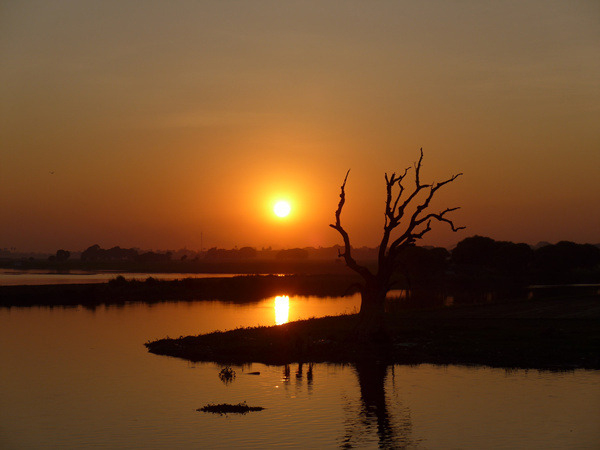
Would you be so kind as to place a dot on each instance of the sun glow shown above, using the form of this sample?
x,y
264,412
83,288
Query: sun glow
x,y
282,309
282,208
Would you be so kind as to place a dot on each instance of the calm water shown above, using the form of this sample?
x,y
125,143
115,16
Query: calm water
x,y
73,378
12,277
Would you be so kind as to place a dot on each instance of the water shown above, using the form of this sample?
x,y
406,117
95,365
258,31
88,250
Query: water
x,y
73,378
12,277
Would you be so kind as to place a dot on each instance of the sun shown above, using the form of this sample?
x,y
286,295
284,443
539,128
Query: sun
x,y
282,208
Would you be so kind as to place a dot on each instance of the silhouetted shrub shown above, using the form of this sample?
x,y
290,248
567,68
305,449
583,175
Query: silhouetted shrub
x,y
96,253
505,258
62,255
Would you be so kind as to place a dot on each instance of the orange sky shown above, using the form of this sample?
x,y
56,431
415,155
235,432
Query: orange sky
x,y
145,123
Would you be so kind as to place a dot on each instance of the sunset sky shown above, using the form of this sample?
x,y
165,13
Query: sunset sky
x,y
146,123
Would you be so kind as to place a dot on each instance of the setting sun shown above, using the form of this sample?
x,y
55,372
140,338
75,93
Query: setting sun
x,y
282,208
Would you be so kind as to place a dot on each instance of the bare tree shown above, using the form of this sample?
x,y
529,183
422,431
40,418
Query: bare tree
x,y
406,213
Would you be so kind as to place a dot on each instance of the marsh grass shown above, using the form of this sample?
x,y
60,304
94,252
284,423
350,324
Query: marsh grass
x,y
227,375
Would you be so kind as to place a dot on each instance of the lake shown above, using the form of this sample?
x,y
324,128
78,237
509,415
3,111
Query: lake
x,y
31,277
77,377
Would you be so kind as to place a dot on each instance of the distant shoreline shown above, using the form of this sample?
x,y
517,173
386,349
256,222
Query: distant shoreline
x,y
241,266
14,277
238,289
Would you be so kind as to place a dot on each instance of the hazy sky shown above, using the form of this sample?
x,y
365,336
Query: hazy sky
x,y
145,123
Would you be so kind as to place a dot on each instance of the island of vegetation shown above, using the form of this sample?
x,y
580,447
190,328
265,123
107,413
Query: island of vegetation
x,y
227,408
560,333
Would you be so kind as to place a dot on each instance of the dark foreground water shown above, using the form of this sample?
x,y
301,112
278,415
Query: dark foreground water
x,y
78,378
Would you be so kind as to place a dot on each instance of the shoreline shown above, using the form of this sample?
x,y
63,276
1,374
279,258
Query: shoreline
x,y
548,334
237,289
559,332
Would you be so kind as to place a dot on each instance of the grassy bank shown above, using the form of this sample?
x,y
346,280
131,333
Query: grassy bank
x,y
545,334
239,289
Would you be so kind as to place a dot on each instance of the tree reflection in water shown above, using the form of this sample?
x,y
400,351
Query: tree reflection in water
x,y
373,414
300,374
374,411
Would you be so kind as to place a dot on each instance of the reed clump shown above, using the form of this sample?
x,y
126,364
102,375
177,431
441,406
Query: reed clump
x,y
227,408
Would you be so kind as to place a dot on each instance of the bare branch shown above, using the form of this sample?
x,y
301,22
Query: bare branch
x,y
341,203
388,212
418,188
391,216
440,218
401,189
433,190
418,169
347,255
410,236
395,208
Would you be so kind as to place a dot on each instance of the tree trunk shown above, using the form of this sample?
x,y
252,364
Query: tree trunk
x,y
371,325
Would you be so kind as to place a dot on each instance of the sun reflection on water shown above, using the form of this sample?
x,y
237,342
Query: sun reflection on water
x,y
282,309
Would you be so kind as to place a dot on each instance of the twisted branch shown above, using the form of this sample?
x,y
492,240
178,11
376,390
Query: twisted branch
x,y
394,213
347,255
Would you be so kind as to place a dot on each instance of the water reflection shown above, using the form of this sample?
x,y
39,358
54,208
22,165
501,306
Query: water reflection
x,y
101,356
369,420
309,376
301,375
374,414
282,309
372,420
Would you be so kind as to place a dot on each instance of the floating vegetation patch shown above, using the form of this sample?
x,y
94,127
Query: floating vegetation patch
x,y
227,375
226,408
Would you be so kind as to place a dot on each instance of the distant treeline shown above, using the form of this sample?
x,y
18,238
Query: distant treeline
x,y
481,266
475,261
564,262
96,253
479,269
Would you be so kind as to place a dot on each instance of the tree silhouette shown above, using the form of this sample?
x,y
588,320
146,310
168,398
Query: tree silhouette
x,y
403,210
62,255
